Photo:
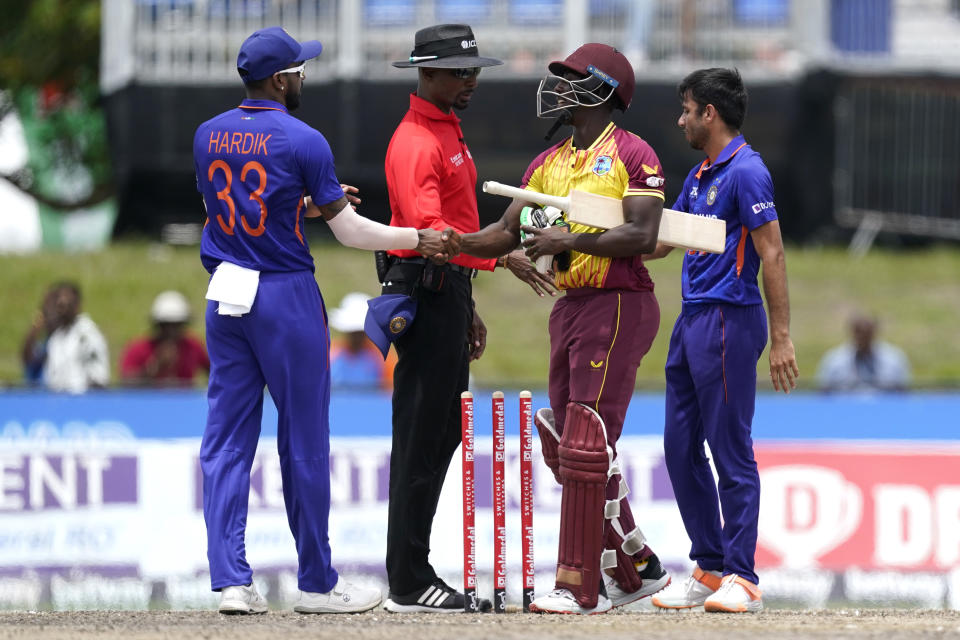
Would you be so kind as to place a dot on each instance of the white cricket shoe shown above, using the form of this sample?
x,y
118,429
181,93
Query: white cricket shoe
x,y
563,601
242,599
693,592
653,578
343,598
735,595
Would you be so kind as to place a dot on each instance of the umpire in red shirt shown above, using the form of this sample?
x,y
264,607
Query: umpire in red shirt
x,y
432,182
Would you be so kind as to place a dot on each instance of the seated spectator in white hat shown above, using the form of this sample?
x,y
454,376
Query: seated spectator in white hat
x,y
171,355
355,362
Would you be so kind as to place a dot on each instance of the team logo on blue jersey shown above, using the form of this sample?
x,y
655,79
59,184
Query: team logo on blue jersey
x,y
712,194
398,324
603,165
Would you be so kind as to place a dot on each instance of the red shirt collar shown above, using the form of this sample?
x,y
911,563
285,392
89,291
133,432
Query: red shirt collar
x,y
430,110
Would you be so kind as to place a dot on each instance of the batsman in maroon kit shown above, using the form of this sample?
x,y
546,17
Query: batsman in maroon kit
x,y
599,330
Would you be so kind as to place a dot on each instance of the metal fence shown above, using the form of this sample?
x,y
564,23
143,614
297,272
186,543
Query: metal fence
x,y
195,41
897,159
897,155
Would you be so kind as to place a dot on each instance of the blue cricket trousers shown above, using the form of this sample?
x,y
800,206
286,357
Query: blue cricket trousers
x,y
283,343
711,376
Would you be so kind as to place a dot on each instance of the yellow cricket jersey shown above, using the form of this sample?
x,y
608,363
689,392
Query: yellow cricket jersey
x,y
618,164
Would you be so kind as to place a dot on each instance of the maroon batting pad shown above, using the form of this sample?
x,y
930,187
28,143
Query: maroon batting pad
x,y
583,473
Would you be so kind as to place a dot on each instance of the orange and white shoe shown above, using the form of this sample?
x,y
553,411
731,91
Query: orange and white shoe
x,y
735,595
692,592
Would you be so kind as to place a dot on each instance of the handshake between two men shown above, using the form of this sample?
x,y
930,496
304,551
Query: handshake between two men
x,y
537,242
441,246
356,231
438,246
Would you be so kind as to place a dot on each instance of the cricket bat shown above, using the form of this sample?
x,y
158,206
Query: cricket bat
x,y
677,229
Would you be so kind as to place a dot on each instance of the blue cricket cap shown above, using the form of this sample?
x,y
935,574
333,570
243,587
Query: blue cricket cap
x,y
272,49
388,317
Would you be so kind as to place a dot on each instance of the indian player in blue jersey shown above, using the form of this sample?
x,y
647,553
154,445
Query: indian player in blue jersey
x,y
261,172
711,369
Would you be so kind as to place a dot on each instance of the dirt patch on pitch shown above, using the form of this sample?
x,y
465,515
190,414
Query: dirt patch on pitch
x,y
150,625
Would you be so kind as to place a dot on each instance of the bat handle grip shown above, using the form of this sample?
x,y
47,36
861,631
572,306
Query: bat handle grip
x,y
544,263
499,189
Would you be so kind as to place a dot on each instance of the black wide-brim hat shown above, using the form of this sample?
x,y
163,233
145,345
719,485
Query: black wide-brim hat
x,y
446,46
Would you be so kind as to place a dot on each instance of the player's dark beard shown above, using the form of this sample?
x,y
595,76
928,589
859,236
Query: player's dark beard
x,y
460,106
697,140
293,101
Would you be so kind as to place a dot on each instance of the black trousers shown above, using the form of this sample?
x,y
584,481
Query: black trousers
x,y
431,372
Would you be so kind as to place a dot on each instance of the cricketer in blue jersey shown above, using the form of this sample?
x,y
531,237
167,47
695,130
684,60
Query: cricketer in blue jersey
x,y
261,172
711,370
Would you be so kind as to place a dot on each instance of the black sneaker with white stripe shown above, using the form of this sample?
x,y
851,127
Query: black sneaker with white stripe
x,y
438,597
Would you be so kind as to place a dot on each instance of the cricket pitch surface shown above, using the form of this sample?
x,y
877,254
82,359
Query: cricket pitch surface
x,y
381,625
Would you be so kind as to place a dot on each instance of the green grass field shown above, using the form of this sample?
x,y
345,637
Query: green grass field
x,y
915,293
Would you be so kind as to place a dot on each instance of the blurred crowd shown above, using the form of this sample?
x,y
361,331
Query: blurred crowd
x,y
65,351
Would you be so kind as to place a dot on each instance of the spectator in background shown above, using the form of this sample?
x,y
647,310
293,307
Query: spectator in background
x,y
64,350
636,36
864,363
355,362
33,353
170,356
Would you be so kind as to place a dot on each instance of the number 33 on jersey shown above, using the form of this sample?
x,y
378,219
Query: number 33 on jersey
x,y
254,164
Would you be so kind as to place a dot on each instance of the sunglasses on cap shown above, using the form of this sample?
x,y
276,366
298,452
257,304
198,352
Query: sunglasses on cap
x,y
464,74
296,70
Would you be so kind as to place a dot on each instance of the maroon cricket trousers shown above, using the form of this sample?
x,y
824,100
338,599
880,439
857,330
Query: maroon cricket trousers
x,y
597,339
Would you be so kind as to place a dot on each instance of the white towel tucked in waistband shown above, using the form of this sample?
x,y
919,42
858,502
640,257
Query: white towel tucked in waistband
x,y
234,287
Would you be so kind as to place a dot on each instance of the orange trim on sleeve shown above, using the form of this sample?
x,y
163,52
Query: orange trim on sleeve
x,y
741,247
296,221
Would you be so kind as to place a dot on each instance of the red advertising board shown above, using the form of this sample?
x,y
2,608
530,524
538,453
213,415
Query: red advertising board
x,y
842,505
